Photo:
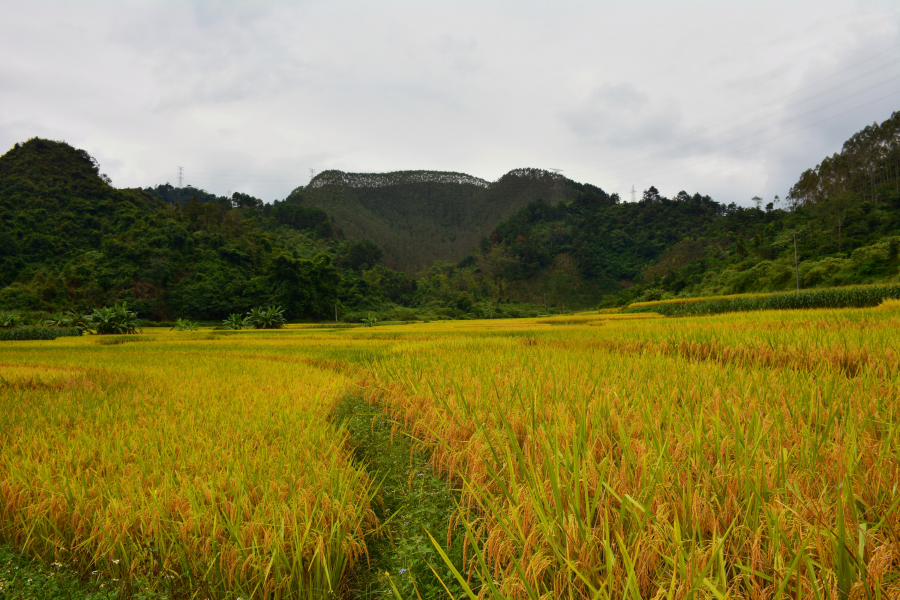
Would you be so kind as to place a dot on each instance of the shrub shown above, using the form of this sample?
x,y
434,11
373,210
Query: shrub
x,y
37,333
271,317
651,294
401,314
464,302
444,312
114,320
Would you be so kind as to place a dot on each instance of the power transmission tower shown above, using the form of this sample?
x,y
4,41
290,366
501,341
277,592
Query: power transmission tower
x,y
633,194
180,176
557,189
312,173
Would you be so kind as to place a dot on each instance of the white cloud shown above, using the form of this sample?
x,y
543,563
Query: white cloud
x,y
620,115
248,96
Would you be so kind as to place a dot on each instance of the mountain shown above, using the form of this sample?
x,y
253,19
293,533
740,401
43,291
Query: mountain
x,y
69,240
420,217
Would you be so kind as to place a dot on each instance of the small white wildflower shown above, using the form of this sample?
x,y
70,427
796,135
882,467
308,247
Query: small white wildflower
x,y
117,561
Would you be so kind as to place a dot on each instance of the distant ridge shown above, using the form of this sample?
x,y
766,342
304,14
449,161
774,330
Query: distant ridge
x,y
419,217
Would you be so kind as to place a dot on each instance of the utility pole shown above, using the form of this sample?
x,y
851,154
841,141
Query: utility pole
x,y
633,194
796,264
556,189
180,176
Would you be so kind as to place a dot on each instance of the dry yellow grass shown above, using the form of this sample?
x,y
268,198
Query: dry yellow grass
x,y
751,455
748,456
210,462
890,305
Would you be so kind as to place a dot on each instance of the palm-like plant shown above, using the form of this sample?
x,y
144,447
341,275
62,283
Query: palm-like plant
x,y
112,320
10,319
65,319
235,321
271,317
370,321
184,325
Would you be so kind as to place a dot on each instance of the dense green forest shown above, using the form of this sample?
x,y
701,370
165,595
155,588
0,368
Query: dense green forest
x,y
844,215
69,240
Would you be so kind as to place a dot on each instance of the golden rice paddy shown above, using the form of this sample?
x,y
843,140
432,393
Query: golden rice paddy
x,y
751,455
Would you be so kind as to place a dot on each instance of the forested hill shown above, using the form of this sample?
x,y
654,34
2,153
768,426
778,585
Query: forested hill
x,y
419,217
844,214
69,240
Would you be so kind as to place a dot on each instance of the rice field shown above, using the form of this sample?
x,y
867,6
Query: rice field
x,y
749,455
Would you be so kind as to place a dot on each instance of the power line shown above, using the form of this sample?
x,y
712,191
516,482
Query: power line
x,y
273,178
611,167
627,158
556,189
824,79
642,171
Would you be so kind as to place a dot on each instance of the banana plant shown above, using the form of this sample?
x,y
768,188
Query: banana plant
x,y
184,325
271,317
65,319
112,320
9,320
235,321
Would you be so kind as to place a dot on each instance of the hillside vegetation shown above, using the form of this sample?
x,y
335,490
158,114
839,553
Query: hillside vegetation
x,y
419,217
440,244
844,216
69,240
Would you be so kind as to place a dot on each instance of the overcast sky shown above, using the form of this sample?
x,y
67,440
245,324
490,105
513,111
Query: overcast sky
x,y
731,99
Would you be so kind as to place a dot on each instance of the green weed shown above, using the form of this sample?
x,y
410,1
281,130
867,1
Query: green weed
x,y
412,503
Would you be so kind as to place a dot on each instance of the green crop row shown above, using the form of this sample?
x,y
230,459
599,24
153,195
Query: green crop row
x,y
848,297
19,334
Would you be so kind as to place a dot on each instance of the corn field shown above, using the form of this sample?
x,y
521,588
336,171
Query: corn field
x,y
749,455
860,296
